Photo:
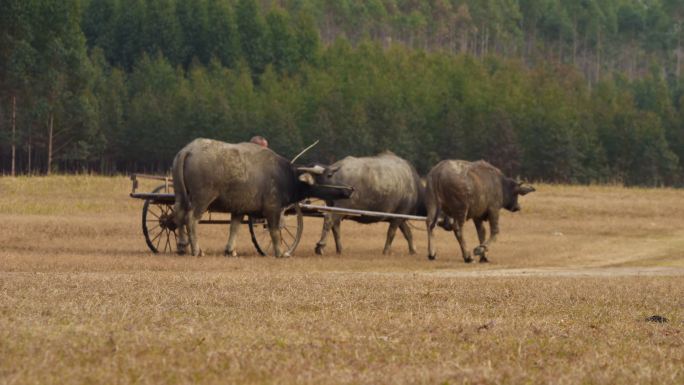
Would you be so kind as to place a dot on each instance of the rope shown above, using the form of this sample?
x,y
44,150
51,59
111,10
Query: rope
x,y
421,228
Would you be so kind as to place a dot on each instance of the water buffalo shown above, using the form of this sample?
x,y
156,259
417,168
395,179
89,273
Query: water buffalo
x,y
384,182
464,190
242,179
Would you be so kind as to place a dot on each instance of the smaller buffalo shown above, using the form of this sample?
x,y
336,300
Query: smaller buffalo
x,y
463,190
385,183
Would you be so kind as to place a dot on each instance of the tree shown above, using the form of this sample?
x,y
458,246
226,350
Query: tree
x,y
100,24
163,32
278,103
129,33
308,39
631,26
62,67
109,90
193,17
652,163
224,32
16,59
283,44
253,38
157,112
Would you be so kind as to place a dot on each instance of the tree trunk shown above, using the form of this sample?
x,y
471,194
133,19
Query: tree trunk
x,y
532,51
574,44
49,154
464,42
482,41
635,53
29,154
679,56
14,134
28,149
598,55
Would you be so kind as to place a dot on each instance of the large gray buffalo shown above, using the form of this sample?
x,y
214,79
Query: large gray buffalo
x,y
465,190
384,183
242,179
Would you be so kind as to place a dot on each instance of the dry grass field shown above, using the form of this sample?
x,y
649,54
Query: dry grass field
x,y
564,301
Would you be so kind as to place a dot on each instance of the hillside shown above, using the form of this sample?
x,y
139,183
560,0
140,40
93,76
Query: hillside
x,y
557,91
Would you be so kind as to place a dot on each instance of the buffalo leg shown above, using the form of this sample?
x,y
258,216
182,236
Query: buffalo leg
x,y
406,230
337,223
328,221
274,229
235,222
481,250
431,222
458,231
493,232
493,227
181,224
445,222
193,218
391,232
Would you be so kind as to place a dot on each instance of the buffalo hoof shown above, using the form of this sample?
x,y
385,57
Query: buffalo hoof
x,y
181,248
484,259
480,251
318,250
432,257
467,259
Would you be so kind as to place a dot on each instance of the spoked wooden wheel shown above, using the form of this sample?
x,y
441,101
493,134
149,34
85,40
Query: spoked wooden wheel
x,y
291,227
158,225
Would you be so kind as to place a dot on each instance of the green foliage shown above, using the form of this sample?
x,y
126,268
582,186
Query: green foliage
x,y
253,35
223,32
581,92
282,41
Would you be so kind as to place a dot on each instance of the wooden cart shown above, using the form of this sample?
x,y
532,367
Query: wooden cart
x,y
159,227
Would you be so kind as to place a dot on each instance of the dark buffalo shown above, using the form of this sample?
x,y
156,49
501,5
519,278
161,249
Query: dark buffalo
x,y
464,190
384,183
241,179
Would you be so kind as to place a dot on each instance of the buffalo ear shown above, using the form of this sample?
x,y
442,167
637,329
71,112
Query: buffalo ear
x,y
307,178
525,189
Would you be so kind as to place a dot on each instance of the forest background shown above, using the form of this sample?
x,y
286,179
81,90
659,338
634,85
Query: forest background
x,y
584,91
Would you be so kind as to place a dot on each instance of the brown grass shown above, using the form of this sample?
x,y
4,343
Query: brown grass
x,y
572,279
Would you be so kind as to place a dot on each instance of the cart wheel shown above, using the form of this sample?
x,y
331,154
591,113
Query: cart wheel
x,y
291,227
158,225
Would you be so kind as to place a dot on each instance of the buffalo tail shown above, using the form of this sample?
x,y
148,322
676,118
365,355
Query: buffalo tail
x,y
180,170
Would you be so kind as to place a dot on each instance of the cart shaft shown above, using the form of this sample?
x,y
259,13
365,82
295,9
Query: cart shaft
x,y
364,213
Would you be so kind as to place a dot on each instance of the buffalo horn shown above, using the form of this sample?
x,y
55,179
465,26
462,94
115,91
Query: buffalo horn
x,y
318,170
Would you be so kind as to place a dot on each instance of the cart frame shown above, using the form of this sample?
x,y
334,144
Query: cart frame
x,y
159,227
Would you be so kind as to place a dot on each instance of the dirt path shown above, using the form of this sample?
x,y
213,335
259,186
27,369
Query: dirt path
x,y
545,272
